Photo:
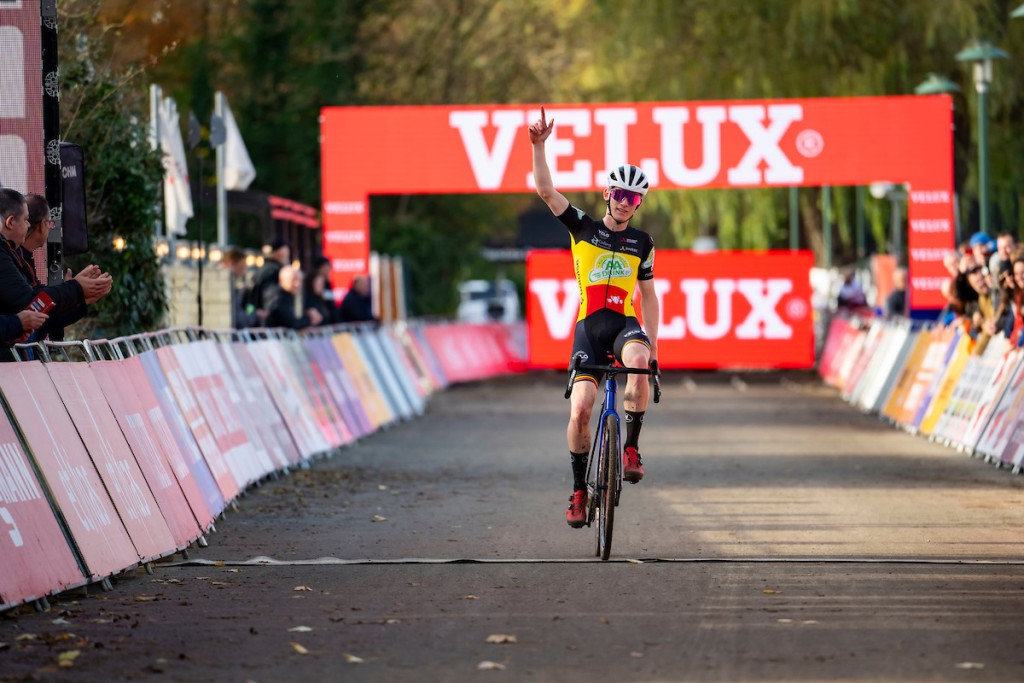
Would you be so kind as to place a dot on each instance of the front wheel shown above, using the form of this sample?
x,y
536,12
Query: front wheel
x,y
607,485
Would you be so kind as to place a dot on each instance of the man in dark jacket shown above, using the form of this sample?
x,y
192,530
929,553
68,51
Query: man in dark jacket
x,y
282,314
15,291
265,286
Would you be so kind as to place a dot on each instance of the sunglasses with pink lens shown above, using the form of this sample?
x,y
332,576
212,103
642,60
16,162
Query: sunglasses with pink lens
x,y
620,195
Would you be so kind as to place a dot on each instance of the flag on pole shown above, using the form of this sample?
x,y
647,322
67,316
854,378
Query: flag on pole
x,y
238,169
177,191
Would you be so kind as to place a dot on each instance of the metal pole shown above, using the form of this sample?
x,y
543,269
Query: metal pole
x,y
794,219
861,227
895,227
826,222
983,155
222,193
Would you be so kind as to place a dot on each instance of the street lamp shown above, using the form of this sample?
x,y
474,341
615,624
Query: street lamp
x,y
936,84
896,194
981,53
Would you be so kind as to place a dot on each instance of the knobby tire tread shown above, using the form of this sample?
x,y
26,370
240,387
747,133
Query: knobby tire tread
x,y
609,472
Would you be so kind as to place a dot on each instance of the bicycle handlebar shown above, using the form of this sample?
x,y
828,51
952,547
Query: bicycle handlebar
x,y
616,370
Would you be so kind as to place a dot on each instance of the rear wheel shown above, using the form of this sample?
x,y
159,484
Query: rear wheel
x,y
607,483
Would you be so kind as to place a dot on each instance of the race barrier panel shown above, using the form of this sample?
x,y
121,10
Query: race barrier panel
x,y
932,380
155,435
114,461
89,515
35,558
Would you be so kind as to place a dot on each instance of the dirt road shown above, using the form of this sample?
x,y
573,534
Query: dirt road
x,y
779,535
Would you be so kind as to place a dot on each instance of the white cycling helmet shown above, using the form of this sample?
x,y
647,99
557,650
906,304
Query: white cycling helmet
x,y
630,178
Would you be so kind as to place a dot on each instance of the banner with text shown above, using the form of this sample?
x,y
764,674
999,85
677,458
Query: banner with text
x,y
725,309
905,140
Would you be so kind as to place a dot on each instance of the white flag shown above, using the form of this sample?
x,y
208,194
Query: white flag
x,y
238,169
177,191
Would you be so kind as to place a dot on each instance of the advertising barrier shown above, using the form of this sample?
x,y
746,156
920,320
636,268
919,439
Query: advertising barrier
x,y
35,559
67,471
934,381
112,457
146,450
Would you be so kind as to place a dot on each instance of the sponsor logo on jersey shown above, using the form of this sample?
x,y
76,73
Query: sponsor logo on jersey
x,y
609,266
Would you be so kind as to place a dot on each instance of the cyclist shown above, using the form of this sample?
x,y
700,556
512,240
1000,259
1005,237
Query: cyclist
x,y
610,259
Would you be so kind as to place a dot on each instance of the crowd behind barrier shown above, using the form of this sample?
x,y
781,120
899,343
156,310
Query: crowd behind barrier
x,y
116,453
934,380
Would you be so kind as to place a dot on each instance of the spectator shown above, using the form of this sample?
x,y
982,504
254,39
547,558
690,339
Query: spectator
x,y
851,294
1002,259
357,306
267,282
283,312
983,247
1016,334
15,291
987,315
39,225
316,290
243,311
17,328
965,293
896,302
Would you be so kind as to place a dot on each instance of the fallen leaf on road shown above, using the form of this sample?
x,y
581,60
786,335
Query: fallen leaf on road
x,y
379,518
500,638
392,621
298,648
302,588
635,561
769,591
970,665
636,655
490,666
300,629
66,659
61,620
470,597
26,636
352,659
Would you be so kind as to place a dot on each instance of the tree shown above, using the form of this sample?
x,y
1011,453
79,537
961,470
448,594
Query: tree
x,y
100,111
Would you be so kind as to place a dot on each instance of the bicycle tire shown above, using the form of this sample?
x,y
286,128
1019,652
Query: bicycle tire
x,y
608,474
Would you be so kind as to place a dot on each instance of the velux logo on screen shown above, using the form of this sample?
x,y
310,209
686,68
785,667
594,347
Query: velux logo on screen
x,y
559,305
763,161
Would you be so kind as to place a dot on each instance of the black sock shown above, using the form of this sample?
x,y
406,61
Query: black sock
x,y
634,421
579,470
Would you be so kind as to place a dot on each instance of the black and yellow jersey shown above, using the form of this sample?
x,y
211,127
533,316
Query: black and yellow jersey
x,y
608,264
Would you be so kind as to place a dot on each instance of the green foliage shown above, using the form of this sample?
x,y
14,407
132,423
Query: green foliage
x,y
281,61
123,177
439,238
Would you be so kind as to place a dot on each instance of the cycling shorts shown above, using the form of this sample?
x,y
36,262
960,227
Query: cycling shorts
x,y
603,334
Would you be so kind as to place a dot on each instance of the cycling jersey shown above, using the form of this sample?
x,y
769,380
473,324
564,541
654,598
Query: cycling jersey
x,y
607,264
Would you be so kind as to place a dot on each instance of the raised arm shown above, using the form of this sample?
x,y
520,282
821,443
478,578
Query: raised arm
x,y
539,132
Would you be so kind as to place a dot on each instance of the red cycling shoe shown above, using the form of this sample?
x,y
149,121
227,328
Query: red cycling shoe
x,y
576,515
632,465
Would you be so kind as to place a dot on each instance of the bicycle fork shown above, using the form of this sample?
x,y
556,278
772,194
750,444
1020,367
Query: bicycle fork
x,y
608,410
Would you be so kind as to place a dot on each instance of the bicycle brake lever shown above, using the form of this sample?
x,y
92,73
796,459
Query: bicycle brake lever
x,y
656,377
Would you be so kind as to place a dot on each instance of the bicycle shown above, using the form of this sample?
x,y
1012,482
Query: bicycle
x,y
604,483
